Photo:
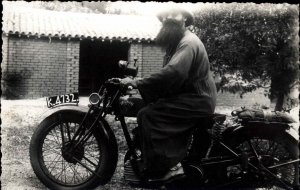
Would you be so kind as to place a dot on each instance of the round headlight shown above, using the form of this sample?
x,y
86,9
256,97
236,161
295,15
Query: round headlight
x,y
94,98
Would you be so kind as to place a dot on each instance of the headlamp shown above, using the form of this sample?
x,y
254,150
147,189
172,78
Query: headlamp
x,y
94,98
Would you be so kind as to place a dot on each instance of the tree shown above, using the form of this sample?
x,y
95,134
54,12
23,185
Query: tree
x,y
96,6
252,45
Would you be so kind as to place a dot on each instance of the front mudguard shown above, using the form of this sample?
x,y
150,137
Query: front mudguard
x,y
106,129
51,111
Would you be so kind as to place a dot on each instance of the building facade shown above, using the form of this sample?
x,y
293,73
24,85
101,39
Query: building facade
x,y
57,52
51,67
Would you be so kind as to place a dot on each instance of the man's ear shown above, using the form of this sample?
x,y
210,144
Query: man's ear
x,y
184,21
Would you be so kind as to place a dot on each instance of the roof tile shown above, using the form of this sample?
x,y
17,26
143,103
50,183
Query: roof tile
x,y
30,21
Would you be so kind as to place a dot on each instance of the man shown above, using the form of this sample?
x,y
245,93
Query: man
x,y
177,95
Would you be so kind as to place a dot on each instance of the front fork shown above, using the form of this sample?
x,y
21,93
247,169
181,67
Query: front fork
x,y
83,133
73,147
136,166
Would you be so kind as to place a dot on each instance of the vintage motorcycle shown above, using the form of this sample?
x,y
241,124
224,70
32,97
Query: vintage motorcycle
x,y
76,149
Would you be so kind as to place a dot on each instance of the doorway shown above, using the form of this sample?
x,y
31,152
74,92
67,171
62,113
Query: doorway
x,y
99,62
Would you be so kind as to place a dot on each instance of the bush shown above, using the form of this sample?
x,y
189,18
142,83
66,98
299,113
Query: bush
x,y
258,41
12,84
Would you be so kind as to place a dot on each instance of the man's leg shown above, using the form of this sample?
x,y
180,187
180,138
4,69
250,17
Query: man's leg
x,y
164,138
151,162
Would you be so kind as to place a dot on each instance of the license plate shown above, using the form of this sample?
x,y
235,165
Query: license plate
x,y
72,98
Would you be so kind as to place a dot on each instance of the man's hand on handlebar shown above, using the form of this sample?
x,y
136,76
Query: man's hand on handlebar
x,y
128,82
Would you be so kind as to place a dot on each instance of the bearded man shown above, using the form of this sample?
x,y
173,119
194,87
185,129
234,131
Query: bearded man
x,y
176,96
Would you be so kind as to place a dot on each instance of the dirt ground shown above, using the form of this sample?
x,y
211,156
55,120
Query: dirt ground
x,y
19,119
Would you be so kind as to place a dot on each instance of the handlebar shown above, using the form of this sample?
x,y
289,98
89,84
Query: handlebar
x,y
114,80
117,83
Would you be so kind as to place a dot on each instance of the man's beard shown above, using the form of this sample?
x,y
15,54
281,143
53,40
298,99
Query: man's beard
x,y
170,34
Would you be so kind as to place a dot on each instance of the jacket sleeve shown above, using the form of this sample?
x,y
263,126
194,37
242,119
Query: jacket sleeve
x,y
169,80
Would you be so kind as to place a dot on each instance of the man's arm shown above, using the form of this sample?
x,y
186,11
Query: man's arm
x,y
170,79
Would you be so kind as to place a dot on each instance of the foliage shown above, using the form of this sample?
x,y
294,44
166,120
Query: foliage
x,y
11,83
252,45
69,6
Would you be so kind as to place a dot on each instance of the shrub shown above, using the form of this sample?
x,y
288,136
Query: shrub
x,y
258,41
12,84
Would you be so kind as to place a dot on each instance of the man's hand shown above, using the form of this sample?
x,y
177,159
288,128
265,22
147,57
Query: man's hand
x,y
129,82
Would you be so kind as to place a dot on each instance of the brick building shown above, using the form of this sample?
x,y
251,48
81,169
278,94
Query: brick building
x,y
60,52
63,52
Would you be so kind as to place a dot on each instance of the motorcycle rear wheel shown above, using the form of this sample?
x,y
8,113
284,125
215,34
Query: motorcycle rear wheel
x,y
88,166
272,150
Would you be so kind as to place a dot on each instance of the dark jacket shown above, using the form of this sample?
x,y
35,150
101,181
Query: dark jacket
x,y
186,71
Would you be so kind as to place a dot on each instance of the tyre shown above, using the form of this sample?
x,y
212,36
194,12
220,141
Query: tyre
x,y
86,167
275,152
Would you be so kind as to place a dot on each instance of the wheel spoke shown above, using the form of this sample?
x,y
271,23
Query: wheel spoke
x,y
275,177
86,167
68,130
56,137
89,161
253,149
62,134
55,163
52,152
271,163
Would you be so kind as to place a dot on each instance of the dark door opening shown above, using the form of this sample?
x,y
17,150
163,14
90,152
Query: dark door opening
x,y
99,62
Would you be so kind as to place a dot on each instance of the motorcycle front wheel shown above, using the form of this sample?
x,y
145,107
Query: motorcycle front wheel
x,y
59,166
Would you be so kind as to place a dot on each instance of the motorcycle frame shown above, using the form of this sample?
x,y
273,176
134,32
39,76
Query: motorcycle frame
x,y
97,111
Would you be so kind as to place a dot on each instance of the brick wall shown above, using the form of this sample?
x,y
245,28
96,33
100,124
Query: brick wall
x,y
4,53
4,58
72,80
150,57
136,50
47,65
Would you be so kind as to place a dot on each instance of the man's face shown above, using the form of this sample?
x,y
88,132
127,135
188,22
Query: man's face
x,y
172,30
176,16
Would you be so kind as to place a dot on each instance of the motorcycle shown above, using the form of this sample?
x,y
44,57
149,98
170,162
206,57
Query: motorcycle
x,y
74,149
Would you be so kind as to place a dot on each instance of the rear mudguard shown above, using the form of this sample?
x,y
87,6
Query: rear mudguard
x,y
269,130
